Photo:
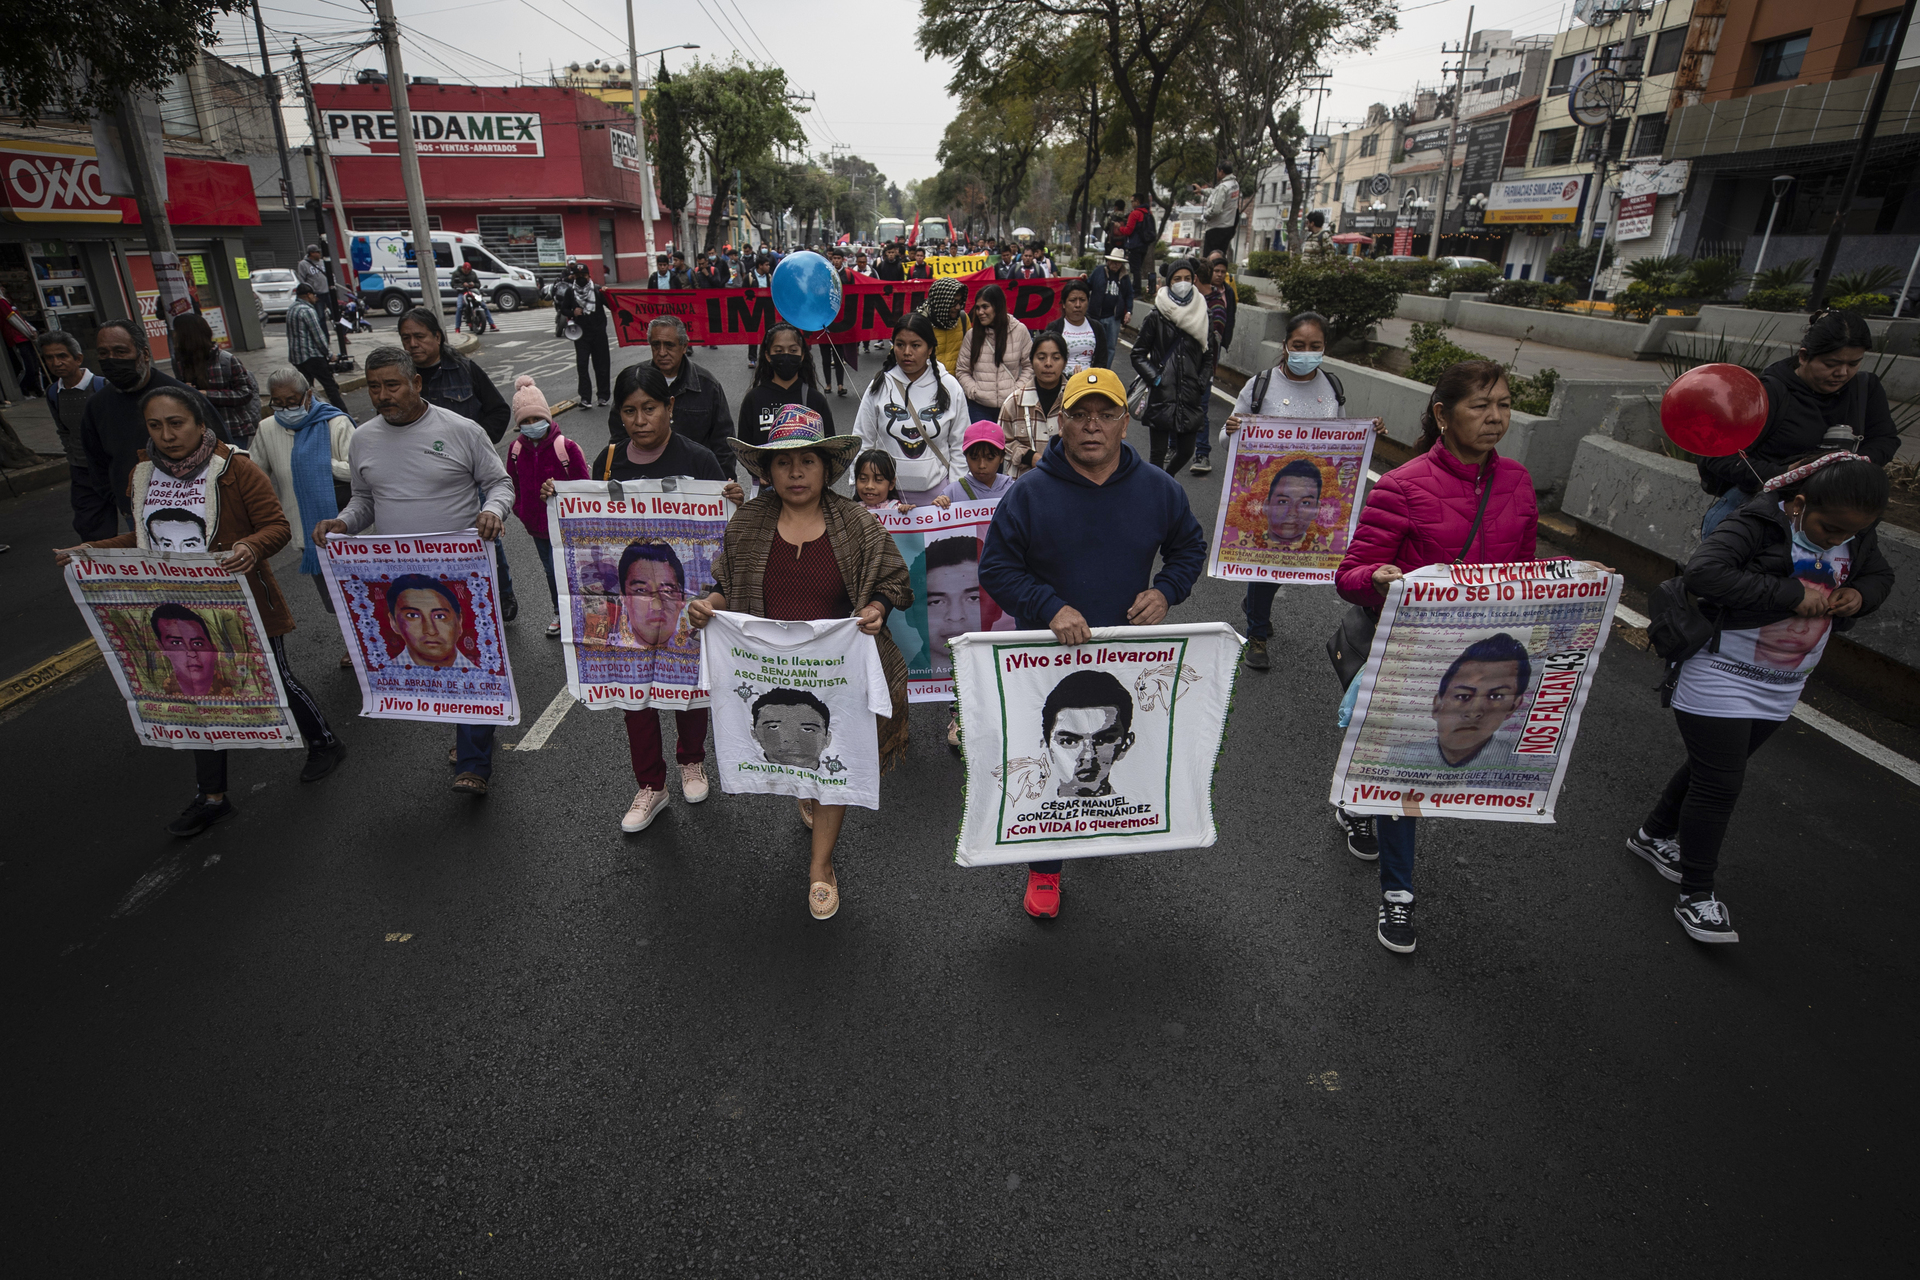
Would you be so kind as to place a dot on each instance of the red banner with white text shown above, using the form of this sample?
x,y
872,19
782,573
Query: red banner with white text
x,y
735,317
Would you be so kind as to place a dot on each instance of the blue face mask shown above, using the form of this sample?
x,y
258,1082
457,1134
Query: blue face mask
x,y
535,430
290,418
1304,362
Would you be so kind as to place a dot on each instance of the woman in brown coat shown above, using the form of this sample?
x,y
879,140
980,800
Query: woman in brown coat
x,y
799,462
237,503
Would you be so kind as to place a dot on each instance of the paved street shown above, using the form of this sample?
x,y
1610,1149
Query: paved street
x,y
369,1027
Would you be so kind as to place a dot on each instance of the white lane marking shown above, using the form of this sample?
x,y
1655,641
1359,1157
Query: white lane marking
x,y
549,721
1891,761
1630,617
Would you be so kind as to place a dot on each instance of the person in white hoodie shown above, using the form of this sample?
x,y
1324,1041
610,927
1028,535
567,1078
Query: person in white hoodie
x,y
915,411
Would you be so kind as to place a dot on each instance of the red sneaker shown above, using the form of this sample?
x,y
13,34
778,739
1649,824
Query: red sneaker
x,y
1043,895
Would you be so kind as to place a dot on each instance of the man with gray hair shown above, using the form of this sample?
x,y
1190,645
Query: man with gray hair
x,y
417,468
700,411
70,384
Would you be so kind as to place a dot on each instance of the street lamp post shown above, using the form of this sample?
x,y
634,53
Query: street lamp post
x,y
1781,185
649,207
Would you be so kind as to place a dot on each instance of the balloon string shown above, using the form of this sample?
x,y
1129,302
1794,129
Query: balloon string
x,y
1758,478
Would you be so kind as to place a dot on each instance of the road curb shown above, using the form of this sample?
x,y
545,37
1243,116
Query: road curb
x,y
44,674
44,476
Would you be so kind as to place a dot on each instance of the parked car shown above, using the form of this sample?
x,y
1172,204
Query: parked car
x,y
274,289
1447,263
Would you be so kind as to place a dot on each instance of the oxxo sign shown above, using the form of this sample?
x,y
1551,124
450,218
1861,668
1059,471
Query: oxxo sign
x,y
438,133
48,183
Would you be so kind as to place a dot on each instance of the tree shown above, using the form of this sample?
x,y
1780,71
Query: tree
x,y
669,149
994,142
77,60
737,113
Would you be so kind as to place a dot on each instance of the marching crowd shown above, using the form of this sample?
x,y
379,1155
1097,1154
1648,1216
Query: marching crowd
x,y
966,404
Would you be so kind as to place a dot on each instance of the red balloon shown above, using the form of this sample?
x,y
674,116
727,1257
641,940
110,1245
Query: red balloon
x,y
1715,410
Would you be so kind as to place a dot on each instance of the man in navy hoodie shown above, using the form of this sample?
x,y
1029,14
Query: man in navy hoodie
x,y
1072,544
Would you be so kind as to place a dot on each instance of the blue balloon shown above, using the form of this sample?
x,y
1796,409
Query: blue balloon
x,y
806,291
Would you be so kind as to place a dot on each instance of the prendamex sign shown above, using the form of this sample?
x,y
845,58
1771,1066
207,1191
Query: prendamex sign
x,y
437,133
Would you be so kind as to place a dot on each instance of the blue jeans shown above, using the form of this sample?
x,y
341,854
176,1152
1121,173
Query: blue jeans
x,y
460,313
1728,503
1045,868
544,546
1396,852
1111,327
1202,444
1258,606
473,744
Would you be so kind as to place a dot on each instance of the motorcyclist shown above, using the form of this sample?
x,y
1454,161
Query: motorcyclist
x,y
464,280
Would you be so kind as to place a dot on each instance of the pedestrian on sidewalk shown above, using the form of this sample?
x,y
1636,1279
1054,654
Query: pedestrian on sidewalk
x,y
311,270
452,382
1776,578
1030,417
538,456
307,342
785,376
18,336
1456,501
113,430
1072,544
700,411
1112,301
1175,355
578,302
912,410
70,385
1220,216
418,468
218,375
801,553
301,447
248,528
1818,398
989,377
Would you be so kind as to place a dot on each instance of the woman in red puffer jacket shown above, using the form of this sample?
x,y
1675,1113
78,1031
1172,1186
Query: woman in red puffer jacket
x,y
1419,514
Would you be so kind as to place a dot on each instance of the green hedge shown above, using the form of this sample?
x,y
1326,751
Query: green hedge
x,y
1776,300
1353,295
1266,262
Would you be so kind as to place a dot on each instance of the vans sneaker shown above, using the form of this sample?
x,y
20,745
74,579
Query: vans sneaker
x,y
1662,854
1705,918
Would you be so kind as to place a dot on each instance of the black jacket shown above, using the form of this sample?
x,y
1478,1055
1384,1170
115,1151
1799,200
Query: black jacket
x,y
763,400
112,434
565,305
1184,372
1743,570
1100,352
460,386
889,271
700,414
1797,417
1111,296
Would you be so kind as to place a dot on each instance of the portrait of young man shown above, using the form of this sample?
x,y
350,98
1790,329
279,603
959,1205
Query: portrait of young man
x,y
425,613
793,727
1477,696
1086,726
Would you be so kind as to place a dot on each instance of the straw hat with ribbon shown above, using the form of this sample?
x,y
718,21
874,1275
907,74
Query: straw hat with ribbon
x,y
798,427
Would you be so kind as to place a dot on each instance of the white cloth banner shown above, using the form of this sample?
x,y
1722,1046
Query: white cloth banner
x,y
794,706
421,617
1075,751
1471,696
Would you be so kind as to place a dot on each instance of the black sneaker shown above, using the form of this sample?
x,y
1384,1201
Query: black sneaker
x,y
1200,467
509,607
1256,656
322,761
198,816
1396,922
1705,918
1362,843
1662,854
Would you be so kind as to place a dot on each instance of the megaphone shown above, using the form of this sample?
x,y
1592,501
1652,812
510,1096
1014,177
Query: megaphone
x,y
572,331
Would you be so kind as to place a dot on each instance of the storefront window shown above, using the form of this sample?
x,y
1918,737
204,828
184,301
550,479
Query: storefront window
x,y
178,117
536,241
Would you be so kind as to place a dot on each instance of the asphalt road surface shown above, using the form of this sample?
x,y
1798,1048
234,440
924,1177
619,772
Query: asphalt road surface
x,y
369,1027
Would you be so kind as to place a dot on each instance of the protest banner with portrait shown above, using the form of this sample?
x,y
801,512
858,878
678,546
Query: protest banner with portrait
x,y
1078,751
794,706
184,641
1470,700
626,567
421,617
1290,498
942,547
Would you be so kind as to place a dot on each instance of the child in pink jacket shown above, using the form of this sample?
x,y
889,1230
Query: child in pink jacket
x,y
539,453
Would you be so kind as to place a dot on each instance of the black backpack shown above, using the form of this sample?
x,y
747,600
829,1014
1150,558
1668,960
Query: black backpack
x,y
1145,233
1677,628
1261,379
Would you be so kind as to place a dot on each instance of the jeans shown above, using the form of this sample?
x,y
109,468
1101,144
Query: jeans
x,y
1045,868
544,546
319,372
643,744
1202,445
1699,798
1396,852
210,767
1258,606
473,748
1172,450
1111,327
460,313
1728,503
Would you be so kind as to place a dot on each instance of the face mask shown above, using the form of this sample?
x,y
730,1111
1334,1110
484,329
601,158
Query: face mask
x,y
1182,291
124,374
290,418
785,363
1304,362
535,430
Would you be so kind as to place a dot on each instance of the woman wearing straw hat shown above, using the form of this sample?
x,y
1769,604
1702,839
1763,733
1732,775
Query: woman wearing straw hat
x,y
798,553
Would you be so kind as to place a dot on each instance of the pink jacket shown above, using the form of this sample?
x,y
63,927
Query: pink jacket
x,y
533,464
1419,515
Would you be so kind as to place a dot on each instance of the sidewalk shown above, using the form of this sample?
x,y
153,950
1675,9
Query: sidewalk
x,y
1533,356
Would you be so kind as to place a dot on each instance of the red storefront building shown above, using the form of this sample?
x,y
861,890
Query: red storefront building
x,y
540,174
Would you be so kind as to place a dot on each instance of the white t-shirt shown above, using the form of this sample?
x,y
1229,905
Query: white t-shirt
x,y
164,493
794,706
1759,672
1286,398
1079,345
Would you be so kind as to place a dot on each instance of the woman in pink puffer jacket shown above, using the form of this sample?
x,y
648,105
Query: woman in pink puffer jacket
x,y
1419,514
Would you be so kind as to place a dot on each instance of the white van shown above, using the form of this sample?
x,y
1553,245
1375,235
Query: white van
x,y
389,281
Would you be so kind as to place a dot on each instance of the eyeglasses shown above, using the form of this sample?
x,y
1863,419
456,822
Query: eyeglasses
x,y
1106,417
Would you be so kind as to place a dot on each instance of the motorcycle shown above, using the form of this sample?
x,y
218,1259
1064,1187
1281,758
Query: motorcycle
x,y
472,309
352,318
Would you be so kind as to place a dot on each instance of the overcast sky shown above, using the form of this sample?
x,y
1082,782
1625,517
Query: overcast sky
x,y
875,93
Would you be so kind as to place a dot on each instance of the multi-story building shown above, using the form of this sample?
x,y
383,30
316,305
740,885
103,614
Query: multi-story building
x,y
1778,91
1359,195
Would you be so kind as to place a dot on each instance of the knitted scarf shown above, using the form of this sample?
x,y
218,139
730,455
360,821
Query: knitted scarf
x,y
1190,319
313,477
191,465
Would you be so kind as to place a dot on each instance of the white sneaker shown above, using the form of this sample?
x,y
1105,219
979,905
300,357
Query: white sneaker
x,y
645,808
693,782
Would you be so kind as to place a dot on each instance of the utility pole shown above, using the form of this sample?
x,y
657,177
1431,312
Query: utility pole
x,y
1632,8
1453,133
146,168
649,207
1882,80
272,87
335,251
409,157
